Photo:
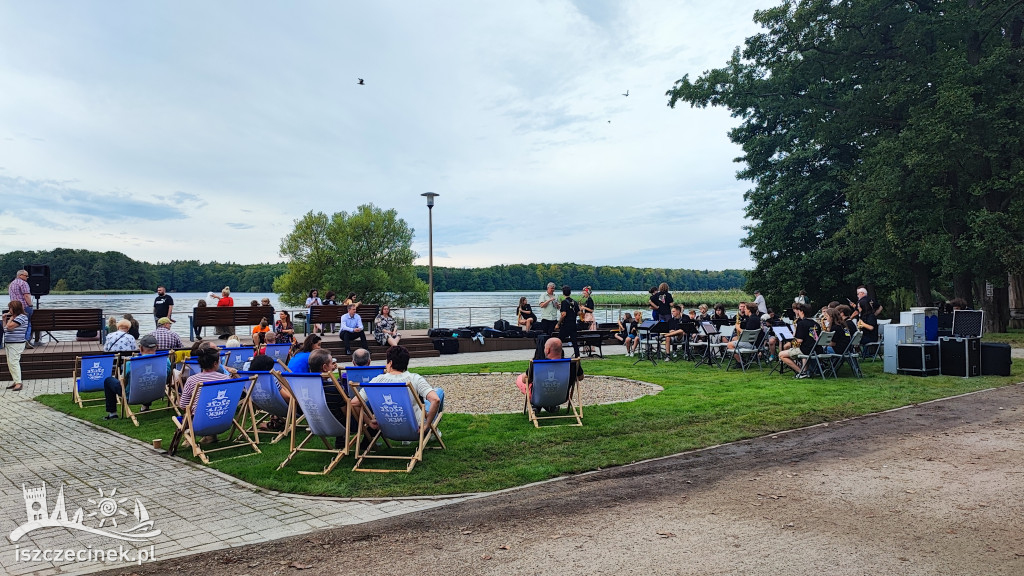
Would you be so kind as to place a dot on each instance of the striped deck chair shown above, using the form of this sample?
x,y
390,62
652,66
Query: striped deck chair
x,y
235,357
146,383
213,410
393,404
308,392
553,384
90,372
279,352
266,401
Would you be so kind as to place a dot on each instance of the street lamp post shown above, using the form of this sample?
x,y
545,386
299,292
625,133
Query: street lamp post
x,y
430,234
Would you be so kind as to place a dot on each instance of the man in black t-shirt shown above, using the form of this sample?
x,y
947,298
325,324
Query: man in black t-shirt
x,y
163,306
805,335
569,312
865,316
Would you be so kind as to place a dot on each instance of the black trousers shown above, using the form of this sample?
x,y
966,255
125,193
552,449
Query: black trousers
x,y
567,336
111,390
347,337
547,326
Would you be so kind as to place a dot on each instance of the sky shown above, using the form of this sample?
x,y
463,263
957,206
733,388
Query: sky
x,y
203,130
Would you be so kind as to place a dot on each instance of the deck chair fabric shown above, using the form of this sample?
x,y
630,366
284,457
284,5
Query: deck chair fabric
x,y
236,357
362,374
308,392
212,410
399,412
551,384
279,352
89,374
145,381
265,401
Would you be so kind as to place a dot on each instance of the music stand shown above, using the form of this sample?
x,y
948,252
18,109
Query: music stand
x,y
784,334
708,357
652,328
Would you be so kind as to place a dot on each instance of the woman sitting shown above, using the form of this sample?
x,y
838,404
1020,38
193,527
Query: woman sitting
x,y
627,332
300,361
313,300
284,328
208,356
260,330
121,340
524,315
134,329
385,329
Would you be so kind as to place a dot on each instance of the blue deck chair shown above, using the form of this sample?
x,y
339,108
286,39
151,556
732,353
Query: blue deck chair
x,y
90,372
553,384
279,352
147,383
266,401
235,357
362,374
393,404
213,410
308,392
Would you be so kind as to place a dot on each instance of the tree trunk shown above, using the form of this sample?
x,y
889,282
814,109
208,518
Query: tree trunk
x,y
996,306
1015,283
922,284
964,288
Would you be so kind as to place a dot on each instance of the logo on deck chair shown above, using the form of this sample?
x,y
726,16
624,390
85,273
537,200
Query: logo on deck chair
x,y
95,372
391,411
108,517
550,383
218,407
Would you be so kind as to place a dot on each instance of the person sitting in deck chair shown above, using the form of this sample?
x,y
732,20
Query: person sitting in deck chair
x,y
552,351
112,386
397,371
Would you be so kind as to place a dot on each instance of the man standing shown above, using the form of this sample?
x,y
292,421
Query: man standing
x,y
352,328
19,290
163,306
548,310
569,312
762,308
165,337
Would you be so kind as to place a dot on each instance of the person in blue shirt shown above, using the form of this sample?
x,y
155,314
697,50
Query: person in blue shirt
x,y
300,361
352,329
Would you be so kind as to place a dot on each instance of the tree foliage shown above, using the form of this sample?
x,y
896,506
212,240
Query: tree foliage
x,y
88,270
884,143
368,252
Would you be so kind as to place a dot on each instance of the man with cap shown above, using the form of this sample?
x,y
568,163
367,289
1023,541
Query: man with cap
x,y
762,308
112,386
166,339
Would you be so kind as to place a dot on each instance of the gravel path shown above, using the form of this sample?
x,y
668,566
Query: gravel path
x,y
497,393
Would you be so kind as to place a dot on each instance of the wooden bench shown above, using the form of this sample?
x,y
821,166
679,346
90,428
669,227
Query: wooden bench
x,y
331,314
227,316
52,319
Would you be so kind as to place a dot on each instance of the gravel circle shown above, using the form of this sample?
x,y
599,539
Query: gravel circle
x,y
496,393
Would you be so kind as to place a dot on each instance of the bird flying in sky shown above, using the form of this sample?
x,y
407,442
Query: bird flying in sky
x,y
361,83
626,94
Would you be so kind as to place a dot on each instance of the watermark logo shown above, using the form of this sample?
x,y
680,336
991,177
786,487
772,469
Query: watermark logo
x,y
108,514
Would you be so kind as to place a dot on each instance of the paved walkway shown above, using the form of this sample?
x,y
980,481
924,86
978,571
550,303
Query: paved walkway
x,y
195,508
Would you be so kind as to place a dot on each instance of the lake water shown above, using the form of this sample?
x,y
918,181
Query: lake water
x,y
452,309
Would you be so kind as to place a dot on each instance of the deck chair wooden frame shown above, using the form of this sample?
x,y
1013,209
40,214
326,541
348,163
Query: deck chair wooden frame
x,y
573,395
263,402
307,392
215,418
101,366
824,339
398,430
154,385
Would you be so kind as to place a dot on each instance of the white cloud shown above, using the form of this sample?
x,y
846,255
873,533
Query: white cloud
x,y
229,120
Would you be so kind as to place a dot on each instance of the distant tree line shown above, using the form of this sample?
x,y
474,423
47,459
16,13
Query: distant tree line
x,y
88,270
536,276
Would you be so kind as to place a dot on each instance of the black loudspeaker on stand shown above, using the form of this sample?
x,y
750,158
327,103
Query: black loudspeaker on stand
x,y
38,279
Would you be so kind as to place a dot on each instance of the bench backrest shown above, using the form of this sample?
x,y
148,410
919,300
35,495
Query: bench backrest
x,y
231,315
52,319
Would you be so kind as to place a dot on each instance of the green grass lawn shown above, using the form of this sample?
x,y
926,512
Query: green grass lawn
x,y
1014,337
699,407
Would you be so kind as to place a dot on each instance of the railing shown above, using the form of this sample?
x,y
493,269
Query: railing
x,y
457,316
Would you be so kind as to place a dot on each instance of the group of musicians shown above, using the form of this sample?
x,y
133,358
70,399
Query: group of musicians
x,y
785,338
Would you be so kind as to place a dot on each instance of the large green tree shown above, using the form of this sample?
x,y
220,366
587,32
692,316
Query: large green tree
x,y
883,139
368,252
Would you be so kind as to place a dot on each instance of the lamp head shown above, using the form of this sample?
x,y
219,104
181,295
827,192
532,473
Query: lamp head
x,y
430,198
